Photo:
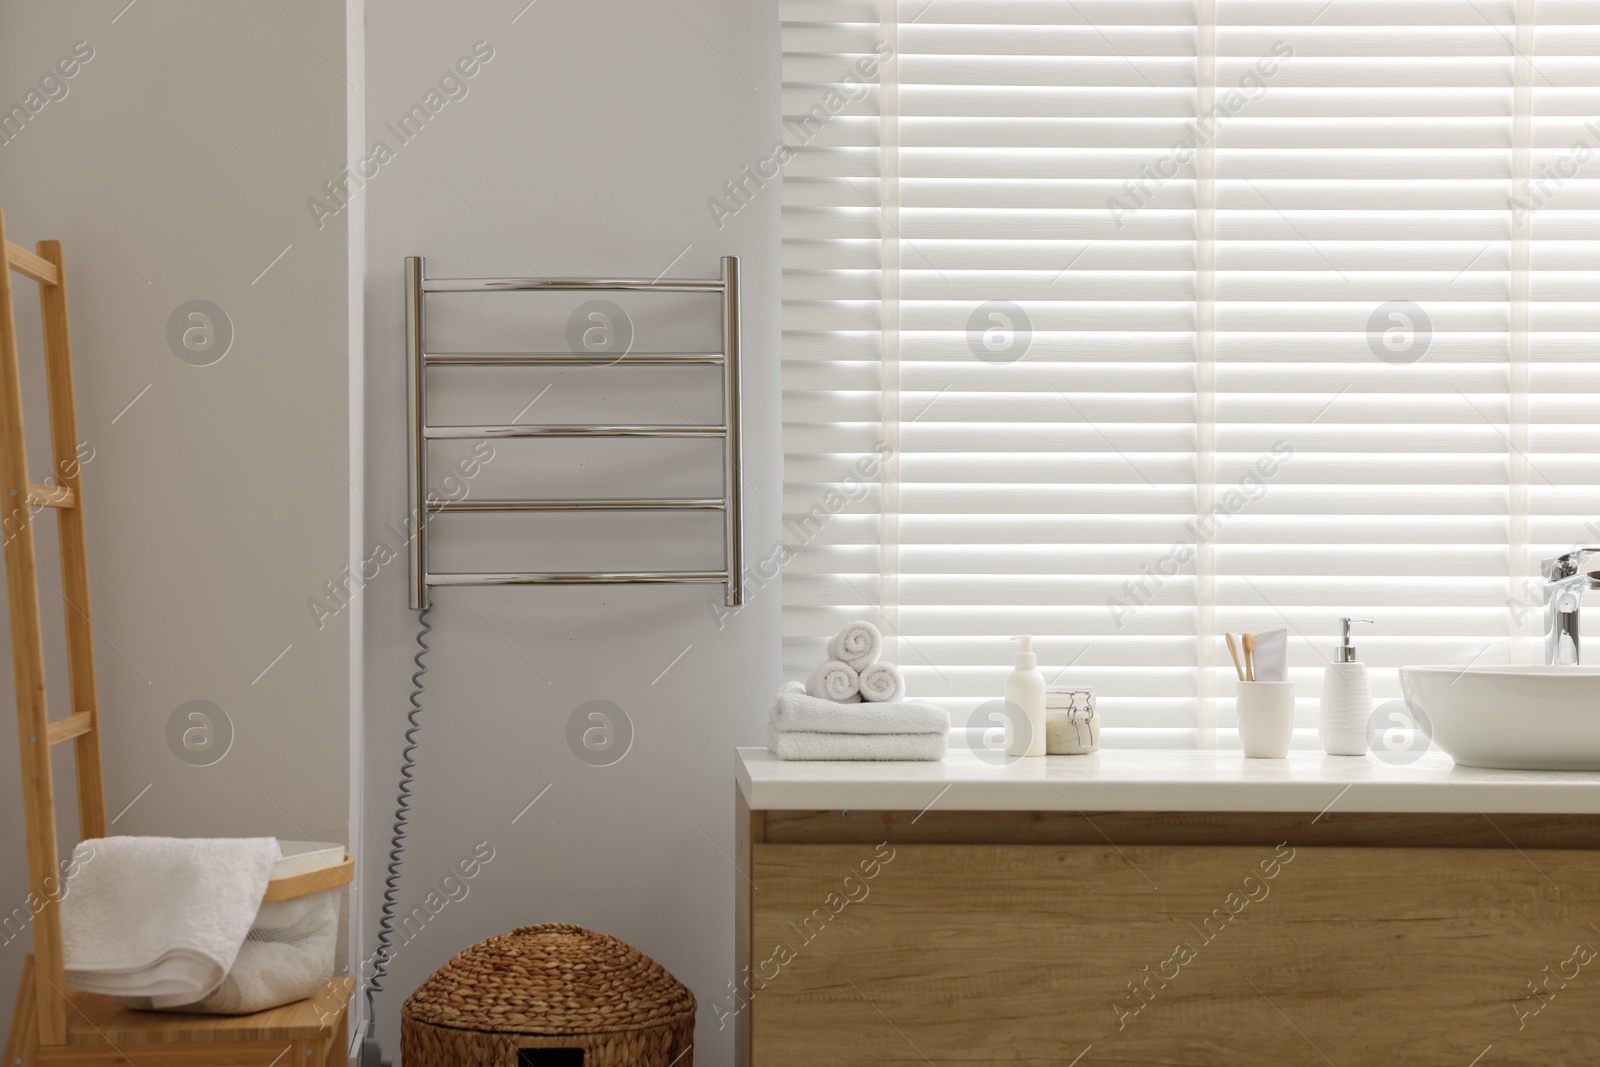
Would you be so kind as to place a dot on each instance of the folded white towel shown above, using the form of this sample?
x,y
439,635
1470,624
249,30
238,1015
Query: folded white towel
x,y
882,682
287,957
835,681
858,644
796,712
813,746
161,917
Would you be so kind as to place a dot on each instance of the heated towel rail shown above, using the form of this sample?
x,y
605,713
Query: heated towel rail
x,y
419,359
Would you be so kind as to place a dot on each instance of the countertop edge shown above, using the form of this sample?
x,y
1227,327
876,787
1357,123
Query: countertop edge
x,y
1230,785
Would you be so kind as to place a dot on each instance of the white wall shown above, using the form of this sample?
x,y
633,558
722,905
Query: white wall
x,y
588,145
176,168
218,502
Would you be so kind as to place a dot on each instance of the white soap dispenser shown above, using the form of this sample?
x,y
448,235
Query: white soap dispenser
x,y
1025,691
1346,699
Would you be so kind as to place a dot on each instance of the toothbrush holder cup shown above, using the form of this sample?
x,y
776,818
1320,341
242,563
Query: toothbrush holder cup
x,y
1266,718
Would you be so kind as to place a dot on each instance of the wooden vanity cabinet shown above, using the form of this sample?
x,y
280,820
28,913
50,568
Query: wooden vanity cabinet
x,y
1140,938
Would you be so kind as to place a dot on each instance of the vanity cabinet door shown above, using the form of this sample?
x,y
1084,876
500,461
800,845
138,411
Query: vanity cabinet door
x,y
1237,956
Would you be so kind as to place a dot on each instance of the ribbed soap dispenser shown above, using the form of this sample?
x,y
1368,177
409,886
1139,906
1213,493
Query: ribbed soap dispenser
x,y
1346,699
1025,692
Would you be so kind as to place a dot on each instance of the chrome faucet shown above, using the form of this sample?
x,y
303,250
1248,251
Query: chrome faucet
x,y
1566,577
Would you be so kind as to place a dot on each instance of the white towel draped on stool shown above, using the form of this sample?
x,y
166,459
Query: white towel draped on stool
x,y
161,917
287,957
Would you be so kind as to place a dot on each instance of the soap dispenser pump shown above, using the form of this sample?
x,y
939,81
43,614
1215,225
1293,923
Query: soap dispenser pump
x,y
1346,699
1025,695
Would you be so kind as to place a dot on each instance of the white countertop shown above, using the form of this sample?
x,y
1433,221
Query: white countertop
x,y
1161,780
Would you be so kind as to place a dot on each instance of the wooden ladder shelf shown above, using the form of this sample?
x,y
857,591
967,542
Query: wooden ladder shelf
x,y
54,1025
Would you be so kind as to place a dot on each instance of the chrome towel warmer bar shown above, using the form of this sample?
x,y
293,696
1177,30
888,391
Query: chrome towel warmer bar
x,y
419,359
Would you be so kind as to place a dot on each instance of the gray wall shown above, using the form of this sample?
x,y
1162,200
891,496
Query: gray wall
x,y
588,145
176,168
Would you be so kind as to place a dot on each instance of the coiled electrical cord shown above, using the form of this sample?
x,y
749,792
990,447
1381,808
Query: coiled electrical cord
x,y
397,846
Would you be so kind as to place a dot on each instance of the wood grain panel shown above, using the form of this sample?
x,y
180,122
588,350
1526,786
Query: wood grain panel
x,y
1374,829
95,1020
1142,955
253,1054
748,831
23,1037
25,262
28,673
72,537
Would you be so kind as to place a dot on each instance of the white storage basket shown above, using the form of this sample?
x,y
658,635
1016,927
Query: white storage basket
x,y
287,956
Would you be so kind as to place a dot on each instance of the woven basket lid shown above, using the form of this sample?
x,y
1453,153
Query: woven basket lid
x,y
557,978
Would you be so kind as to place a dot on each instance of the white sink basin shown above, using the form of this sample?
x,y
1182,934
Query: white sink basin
x,y
1531,718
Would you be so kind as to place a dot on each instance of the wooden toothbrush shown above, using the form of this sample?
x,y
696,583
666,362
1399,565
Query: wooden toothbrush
x,y
1249,657
1233,650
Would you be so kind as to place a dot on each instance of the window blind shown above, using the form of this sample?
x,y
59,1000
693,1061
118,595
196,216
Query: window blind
x,y
1125,323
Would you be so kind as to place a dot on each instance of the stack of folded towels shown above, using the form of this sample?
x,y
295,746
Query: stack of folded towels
x,y
853,707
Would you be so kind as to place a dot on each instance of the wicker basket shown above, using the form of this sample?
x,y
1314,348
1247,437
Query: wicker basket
x,y
554,987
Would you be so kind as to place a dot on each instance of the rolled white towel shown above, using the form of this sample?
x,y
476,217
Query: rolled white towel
x,y
858,644
835,681
882,683
794,712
